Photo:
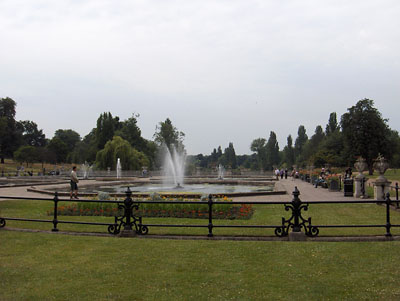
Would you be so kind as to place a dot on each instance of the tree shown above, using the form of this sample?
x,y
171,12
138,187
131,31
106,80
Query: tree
x,y
168,135
330,151
9,134
59,148
230,156
31,135
258,146
131,132
272,151
312,146
26,153
365,133
332,125
288,152
131,159
69,137
106,126
299,144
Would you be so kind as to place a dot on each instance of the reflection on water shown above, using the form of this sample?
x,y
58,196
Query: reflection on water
x,y
193,188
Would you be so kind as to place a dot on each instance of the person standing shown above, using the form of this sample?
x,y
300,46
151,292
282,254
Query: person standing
x,y
277,173
74,184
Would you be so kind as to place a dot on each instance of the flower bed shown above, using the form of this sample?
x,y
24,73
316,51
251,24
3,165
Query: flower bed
x,y
220,211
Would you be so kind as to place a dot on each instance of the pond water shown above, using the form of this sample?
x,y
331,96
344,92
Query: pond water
x,y
188,188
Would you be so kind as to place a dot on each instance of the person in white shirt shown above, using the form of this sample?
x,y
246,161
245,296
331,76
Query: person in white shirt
x,y
74,184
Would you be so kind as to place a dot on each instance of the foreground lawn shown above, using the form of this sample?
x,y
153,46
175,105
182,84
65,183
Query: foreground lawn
x,y
35,266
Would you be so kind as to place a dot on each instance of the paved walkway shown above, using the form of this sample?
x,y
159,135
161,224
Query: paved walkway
x,y
23,192
307,193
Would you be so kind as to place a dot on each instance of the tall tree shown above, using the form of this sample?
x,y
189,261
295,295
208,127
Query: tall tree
x,y
230,156
258,146
59,148
365,133
9,134
332,125
301,140
166,133
312,146
69,137
130,131
105,129
272,151
288,152
31,135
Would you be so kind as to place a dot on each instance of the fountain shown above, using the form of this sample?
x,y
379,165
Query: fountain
x,y
174,167
86,169
221,171
119,168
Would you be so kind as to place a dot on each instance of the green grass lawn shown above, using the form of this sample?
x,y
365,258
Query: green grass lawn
x,y
39,266
35,266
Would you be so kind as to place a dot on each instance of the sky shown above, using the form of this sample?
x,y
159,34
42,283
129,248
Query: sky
x,y
222,71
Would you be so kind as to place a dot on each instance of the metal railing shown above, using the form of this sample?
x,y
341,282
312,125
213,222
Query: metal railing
x,y
130,221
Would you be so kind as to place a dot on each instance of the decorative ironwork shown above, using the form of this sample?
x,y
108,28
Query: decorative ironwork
x,y
128,220
388,224
296,221
2,222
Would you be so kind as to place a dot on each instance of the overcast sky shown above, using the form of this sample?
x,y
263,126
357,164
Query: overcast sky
x,y
222,71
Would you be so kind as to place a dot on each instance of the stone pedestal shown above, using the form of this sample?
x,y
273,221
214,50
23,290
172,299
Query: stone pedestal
x,y
127,233
381,187
297,236
359,180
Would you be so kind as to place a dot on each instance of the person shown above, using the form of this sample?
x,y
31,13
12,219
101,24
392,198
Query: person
x,y
277,173
286,173
348,173
74,184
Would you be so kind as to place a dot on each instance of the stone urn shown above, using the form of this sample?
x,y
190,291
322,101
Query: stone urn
x,y
360,165
381,184
381,166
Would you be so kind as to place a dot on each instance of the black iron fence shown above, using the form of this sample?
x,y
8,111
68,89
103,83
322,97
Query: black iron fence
x,y
129,221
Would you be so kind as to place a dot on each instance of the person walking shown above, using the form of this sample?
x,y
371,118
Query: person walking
x,y
74,184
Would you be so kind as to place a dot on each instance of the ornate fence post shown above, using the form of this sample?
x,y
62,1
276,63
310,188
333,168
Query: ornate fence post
x,y
55,220
296,221
388,225
210,224
296,203
128,206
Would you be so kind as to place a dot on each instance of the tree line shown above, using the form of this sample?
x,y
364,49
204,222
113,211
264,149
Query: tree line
x,y
110,139
361,131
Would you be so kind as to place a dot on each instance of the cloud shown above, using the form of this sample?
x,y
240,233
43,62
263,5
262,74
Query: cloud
x,y
234,70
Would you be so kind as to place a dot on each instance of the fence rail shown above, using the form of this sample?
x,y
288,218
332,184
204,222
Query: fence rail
x,y
130,222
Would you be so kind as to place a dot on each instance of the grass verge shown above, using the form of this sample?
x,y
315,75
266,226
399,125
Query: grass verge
x,y
36,266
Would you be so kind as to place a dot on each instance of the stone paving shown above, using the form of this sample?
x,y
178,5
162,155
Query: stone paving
x,y
307,192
